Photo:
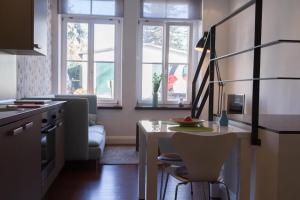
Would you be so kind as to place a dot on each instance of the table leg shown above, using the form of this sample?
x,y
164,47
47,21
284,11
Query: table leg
x,y
142,165
152,167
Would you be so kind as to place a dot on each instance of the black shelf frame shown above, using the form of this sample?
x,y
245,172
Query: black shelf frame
x,y
256,47
255,79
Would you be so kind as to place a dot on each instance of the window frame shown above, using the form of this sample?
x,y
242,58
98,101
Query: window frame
x,y
92,21
192,58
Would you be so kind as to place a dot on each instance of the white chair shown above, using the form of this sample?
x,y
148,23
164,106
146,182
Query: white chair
x,y
203,157
167,158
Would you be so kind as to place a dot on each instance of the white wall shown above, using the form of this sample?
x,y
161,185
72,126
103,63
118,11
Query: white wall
x,y
279,22
213,11
120,124
241,36
8,76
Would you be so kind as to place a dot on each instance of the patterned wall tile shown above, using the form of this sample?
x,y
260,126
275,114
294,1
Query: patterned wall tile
x,y
34,72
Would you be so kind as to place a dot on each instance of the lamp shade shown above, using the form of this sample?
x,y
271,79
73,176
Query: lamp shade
x,y
201,43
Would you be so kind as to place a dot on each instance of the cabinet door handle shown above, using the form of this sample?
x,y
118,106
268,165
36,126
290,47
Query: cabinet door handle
x,y
51,129
28,125
37,46
16,131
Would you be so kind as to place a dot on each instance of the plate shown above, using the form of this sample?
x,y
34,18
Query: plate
x,y
194,122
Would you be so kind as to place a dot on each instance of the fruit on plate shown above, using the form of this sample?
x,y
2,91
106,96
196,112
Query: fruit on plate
x,y
188,119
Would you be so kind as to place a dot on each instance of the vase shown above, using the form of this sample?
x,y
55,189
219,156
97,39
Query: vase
x,y
155,99
223,119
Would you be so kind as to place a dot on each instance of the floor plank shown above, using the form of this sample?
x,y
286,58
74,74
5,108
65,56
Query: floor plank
x,y
109,182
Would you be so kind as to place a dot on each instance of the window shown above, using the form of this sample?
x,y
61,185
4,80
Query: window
x,y
167,33
166,50
91,59
91,48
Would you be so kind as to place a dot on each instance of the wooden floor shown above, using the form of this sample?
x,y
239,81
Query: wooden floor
x,y
109,182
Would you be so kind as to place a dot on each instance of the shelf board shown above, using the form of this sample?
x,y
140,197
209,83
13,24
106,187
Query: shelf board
x,y
257,79
252,48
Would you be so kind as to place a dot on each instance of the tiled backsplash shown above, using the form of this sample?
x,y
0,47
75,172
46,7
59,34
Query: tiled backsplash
x,y
34,72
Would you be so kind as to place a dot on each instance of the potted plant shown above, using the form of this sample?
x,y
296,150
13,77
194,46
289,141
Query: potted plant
x,y
156,80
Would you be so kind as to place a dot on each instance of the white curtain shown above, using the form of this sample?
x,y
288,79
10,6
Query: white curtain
x,y
91,7
176,9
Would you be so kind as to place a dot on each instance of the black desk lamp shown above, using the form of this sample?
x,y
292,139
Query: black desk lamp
x,y
200,47
201,43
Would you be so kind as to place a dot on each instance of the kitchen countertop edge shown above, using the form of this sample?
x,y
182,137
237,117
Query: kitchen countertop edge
x,y
19,115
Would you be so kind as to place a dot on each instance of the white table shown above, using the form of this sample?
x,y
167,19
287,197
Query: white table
x,y
149,133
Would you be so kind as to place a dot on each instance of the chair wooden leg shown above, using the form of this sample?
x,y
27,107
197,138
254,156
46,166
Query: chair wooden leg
x,y
161,183
227,190
166,184
176,190
208,190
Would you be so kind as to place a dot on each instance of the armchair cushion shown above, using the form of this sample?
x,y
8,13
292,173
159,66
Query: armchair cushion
x,y
95,139
97,128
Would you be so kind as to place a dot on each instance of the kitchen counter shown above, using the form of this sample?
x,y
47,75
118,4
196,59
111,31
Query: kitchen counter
x,y
7,117
282,124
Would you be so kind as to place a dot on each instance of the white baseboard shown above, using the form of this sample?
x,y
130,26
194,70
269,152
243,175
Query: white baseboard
x,y
120,140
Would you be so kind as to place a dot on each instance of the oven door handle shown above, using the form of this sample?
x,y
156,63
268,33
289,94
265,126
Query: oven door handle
x,y
51,129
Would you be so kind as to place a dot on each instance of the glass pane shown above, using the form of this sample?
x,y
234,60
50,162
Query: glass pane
x,y
179,44
104,42
104,7
78,7
77,77
148,71
152,44
177,82
104,80
77,41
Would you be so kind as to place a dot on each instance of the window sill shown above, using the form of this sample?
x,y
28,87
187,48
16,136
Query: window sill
x,y
161,107
109,107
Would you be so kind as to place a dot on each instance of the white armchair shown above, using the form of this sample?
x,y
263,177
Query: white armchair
x,y
84,140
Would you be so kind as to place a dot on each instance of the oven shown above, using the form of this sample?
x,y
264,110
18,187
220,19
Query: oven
x,y
48,146
48,138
